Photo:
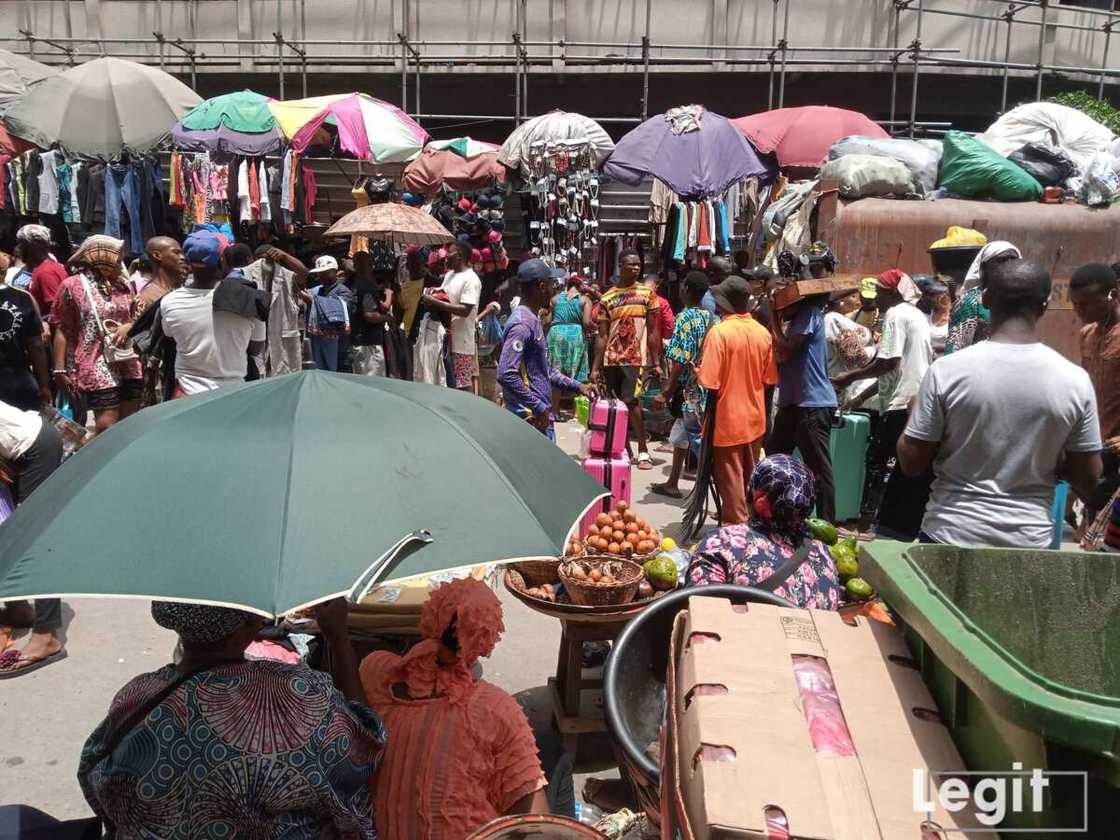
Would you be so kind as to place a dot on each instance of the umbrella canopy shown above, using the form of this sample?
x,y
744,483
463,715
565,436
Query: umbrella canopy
x,y
239,123
395,223
555,127
701,159
803,136
447,481
368,128
460,164
103,107
18,74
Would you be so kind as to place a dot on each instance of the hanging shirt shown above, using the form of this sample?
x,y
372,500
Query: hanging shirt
x,y
48,183
262,186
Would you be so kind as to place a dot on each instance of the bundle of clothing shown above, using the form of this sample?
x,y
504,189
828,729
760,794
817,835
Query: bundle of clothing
x,y
696,231
128,192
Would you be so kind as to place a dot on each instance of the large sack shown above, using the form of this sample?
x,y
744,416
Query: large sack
x,y
1047,122
971,169
1100,184
864,176
920,159
1049,165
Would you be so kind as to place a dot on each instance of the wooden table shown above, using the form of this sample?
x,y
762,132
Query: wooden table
x,y
577,625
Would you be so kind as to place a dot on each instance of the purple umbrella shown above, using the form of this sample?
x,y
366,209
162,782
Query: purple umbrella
x,y
696,152
225,139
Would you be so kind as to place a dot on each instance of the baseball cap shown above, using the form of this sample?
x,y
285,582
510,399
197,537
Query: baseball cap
x,y
533,271
324,263
929,285
733,294
868,288
204,247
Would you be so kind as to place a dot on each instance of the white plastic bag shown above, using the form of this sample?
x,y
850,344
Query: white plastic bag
x,y
1080,135
862,176
921,159
1100,184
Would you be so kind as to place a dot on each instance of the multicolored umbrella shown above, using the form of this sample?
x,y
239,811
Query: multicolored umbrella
x,y
398,224
459,164
18,74
555,127
445,481
696,152
803,136
239,123
102,108
368,128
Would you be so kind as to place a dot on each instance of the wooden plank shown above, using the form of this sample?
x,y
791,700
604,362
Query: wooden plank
x,y
792,293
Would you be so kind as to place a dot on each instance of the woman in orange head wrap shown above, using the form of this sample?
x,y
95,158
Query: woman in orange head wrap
x,y
460,751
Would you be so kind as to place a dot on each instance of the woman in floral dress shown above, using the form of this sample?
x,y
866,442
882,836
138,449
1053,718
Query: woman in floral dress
x,y
781,496
90,306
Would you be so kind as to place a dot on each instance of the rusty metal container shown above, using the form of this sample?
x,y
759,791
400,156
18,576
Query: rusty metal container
x,y
873,234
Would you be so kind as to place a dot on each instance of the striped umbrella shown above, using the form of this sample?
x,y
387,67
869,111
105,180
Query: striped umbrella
x,y
465,147
397,224
368,128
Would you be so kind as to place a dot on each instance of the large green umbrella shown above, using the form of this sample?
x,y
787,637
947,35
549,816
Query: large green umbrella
x,y
242,110
285,492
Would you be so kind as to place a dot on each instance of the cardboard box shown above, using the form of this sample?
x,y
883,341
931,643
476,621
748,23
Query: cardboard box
x,y
785,296
866,796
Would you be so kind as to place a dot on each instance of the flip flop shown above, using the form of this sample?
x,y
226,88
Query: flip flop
x,y
662,490
9,671
645,462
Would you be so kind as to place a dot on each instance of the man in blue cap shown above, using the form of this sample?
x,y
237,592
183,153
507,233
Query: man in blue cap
x,y
215,324
526,377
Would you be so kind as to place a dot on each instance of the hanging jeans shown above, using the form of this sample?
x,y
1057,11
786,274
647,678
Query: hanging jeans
x,y
122,186
324,352
152,198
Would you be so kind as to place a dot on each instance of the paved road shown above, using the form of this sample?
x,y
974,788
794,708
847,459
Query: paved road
x,y
47,715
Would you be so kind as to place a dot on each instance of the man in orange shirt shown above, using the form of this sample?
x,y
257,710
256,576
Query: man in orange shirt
x,y
739,366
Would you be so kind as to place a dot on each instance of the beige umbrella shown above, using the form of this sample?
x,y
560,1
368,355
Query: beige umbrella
x,y
18,74
398,224
102,108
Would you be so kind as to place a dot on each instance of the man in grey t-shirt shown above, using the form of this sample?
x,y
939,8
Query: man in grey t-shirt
x,y
998,421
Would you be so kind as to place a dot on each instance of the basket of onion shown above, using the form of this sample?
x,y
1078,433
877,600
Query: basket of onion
x,y
599,581
619,532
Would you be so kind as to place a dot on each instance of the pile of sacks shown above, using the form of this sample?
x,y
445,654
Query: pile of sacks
x,y
1031,147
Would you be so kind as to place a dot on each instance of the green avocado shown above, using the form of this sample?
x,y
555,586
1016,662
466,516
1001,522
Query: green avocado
x,y
848,567
859,589
661,572
823,531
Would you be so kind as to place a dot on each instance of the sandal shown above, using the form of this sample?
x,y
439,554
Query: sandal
x,y
11,667
664,490
644,461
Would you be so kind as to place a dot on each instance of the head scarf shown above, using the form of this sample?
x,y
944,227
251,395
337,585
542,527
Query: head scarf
x,y
989,251
99,252
782,493
477,614
198,623
899,281
34,233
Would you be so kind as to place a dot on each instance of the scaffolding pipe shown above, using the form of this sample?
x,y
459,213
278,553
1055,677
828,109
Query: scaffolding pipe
x,y
278,35
525,75
773,47
784,44
1104,57
1009,16
645,59
517,83
1041,48
894,62
404,72
303,52
917,47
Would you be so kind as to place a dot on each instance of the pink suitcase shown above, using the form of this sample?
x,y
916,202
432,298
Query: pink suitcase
x,y
612,473
607,422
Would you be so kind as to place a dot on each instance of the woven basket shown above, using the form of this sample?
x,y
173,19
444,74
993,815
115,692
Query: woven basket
x,y
590,594
537,572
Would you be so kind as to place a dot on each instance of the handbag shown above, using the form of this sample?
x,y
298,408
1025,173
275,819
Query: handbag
x,y
113,354
782,574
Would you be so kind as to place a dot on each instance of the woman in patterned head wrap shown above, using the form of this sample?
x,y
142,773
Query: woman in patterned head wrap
x,y
461,752
781,496
89,307
219,746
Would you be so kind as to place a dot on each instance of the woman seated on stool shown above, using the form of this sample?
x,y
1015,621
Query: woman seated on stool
x,y
781,495
460,752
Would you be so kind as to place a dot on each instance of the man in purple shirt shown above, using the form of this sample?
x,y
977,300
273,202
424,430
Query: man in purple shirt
x,y
526,377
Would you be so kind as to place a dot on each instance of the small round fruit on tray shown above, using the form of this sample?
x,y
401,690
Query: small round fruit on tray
x,y
600,580
620,532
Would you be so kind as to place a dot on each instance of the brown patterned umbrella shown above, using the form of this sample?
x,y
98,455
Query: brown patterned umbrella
x,y
398,224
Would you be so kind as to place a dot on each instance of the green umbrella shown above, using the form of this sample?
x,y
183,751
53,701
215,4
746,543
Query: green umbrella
x,y
242,110
281,493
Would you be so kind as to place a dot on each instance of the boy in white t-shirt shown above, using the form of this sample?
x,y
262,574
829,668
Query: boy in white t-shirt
x,y
463,289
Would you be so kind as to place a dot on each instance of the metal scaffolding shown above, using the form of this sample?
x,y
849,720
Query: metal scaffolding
x,y
418,57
